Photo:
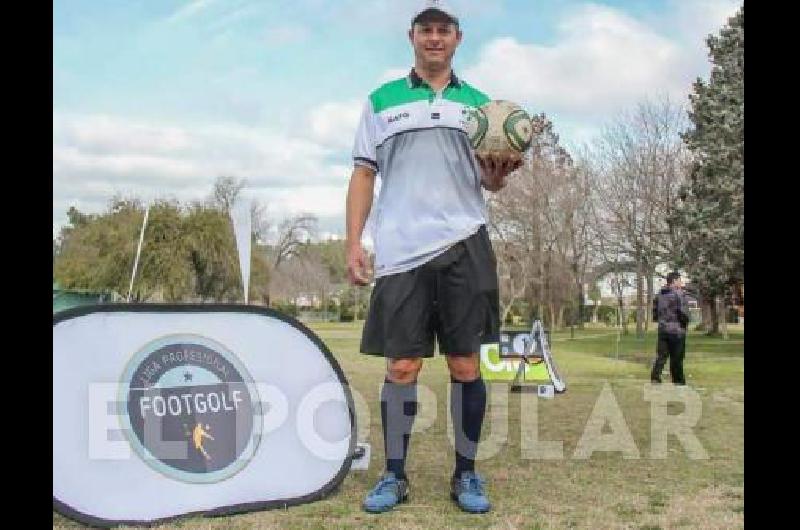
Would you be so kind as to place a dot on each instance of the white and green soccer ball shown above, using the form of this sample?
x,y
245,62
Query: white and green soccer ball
x,y
500,128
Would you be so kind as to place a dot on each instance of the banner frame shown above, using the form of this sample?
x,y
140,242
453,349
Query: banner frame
x,y
235,509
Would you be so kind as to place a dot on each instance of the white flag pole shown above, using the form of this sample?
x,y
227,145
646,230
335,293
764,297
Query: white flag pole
x,y
138,251
241,218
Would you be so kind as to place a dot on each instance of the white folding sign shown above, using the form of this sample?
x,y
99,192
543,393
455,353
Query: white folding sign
x,y
166,410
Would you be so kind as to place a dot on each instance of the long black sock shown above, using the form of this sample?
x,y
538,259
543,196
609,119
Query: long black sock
x,y
467,407
398,409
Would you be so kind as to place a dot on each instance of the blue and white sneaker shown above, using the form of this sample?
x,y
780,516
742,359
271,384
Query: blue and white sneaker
x,y
467,491
387,493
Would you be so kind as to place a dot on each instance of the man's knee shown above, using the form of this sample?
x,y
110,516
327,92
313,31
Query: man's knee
x,y
403,371
464,368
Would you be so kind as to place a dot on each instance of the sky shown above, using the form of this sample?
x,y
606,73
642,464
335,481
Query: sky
x,y
158,98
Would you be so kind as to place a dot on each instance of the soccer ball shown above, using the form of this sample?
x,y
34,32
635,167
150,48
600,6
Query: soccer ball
x,y
499,128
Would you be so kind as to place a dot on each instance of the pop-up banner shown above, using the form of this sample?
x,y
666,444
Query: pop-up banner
x,y
521,356
500,361
161,411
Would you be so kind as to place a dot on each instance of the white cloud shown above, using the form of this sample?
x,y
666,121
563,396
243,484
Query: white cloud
x,y
101,134
324,201
695,20
602,62
96,157
334,124
603,59
70,159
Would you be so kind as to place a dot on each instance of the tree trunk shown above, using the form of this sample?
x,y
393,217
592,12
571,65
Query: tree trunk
x,y
724,312
561,317
639,300
544,271
621,316
579,293
713,328
649,304
515,295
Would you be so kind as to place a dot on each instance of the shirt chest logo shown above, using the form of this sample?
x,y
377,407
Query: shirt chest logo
x,y
398,117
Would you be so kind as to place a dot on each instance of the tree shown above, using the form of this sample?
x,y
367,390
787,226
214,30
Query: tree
x,y
640,163
577,229
164,262
302,276
98,251
333,254
188,252
292,233
711,215
615,270
226,190
618,282
539,230
259,275
213,246
212,253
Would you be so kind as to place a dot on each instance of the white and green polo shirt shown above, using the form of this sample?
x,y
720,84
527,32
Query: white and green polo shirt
x,y
430,196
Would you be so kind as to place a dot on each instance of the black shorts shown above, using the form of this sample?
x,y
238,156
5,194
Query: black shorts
x,y
453,297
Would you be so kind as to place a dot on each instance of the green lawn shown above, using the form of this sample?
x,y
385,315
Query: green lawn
x,y
603,491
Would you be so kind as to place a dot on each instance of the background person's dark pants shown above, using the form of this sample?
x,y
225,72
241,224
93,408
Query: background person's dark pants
x,y
672,346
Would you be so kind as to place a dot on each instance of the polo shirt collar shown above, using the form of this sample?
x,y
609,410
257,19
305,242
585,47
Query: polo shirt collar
x,y
415,81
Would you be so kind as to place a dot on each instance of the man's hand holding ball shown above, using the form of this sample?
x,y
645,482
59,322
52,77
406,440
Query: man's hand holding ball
x,y
495,168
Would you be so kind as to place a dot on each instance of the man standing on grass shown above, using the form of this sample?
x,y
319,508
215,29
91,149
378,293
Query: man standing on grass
x,y
671,311
436,273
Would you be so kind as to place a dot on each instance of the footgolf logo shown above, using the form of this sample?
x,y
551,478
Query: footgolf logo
x,y
190,409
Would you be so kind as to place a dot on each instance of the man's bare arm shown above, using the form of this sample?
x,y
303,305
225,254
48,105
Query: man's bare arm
x,y
359,203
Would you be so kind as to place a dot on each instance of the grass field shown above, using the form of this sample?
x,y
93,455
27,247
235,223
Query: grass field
x,y
605,490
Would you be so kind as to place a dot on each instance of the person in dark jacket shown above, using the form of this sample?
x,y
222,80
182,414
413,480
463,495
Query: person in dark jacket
x,y
671,311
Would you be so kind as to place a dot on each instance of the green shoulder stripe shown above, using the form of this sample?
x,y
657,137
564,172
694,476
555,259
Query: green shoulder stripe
x,y
396,93
467,94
